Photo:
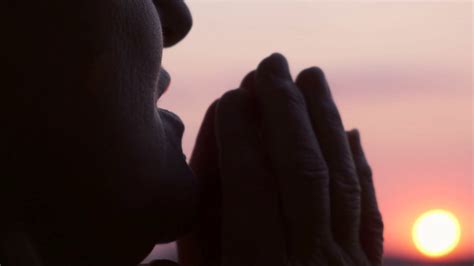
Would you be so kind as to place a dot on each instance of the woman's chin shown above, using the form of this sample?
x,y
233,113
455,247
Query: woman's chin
x,y
178,194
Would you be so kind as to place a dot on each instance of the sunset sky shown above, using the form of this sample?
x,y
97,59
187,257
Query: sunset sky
x,y
401,72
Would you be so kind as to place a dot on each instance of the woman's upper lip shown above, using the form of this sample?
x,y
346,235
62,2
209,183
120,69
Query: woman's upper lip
x,y
164,81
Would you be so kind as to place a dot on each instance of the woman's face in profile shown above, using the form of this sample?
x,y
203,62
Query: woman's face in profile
x,y
87,77
173,24
155,172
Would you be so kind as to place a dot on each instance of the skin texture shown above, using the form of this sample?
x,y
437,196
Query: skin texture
x,y
295,188
93,171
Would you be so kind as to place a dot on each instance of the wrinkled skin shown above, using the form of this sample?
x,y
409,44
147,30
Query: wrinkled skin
x,y
292,187
92,171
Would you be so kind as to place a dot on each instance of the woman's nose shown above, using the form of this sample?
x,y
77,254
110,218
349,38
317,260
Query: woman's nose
x,y
176,20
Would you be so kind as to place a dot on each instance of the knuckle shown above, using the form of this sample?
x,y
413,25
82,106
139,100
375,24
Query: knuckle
x,y
378,221
365,171
347,180
283,92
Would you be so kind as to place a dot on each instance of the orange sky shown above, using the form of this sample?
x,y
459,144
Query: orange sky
x,y
401,72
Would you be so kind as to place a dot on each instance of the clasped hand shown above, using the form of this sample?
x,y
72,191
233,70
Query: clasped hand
x,y
293,187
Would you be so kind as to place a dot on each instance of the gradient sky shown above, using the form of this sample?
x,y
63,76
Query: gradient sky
x,y
401,72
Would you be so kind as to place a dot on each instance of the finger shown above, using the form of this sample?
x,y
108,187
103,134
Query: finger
x,y
371,230
202,247
248,83
204,157
295,156
251,225
327,124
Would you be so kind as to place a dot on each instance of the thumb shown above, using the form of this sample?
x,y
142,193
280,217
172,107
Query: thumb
x,y
202,247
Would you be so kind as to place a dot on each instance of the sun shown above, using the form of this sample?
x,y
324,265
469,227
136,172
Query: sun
x,y
436,233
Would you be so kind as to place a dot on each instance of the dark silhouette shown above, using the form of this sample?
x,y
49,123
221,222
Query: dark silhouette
x,y
296,188
93,173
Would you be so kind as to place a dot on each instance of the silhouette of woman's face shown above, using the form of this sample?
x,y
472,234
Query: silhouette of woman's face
x,y
141,151
104,166
144,157
175,184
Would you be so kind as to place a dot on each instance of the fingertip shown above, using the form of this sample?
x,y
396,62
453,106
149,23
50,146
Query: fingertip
x,y
274,86
248,83
354,135
212,108
205,150
354,141
210,115
363,168
276,66
275,57
310,75
313,79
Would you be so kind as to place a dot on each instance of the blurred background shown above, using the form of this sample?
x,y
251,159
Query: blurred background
x,y
401,72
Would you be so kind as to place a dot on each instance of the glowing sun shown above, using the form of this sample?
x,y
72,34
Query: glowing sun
x,y
436,233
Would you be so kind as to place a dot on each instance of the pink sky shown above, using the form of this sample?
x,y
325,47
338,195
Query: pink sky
x,y
401,72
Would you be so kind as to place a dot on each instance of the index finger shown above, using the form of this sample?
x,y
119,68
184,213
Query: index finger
x,y
251,224
295,156
329,130
202,247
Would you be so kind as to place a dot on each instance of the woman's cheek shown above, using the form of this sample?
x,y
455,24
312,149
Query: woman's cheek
x,y
131,38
